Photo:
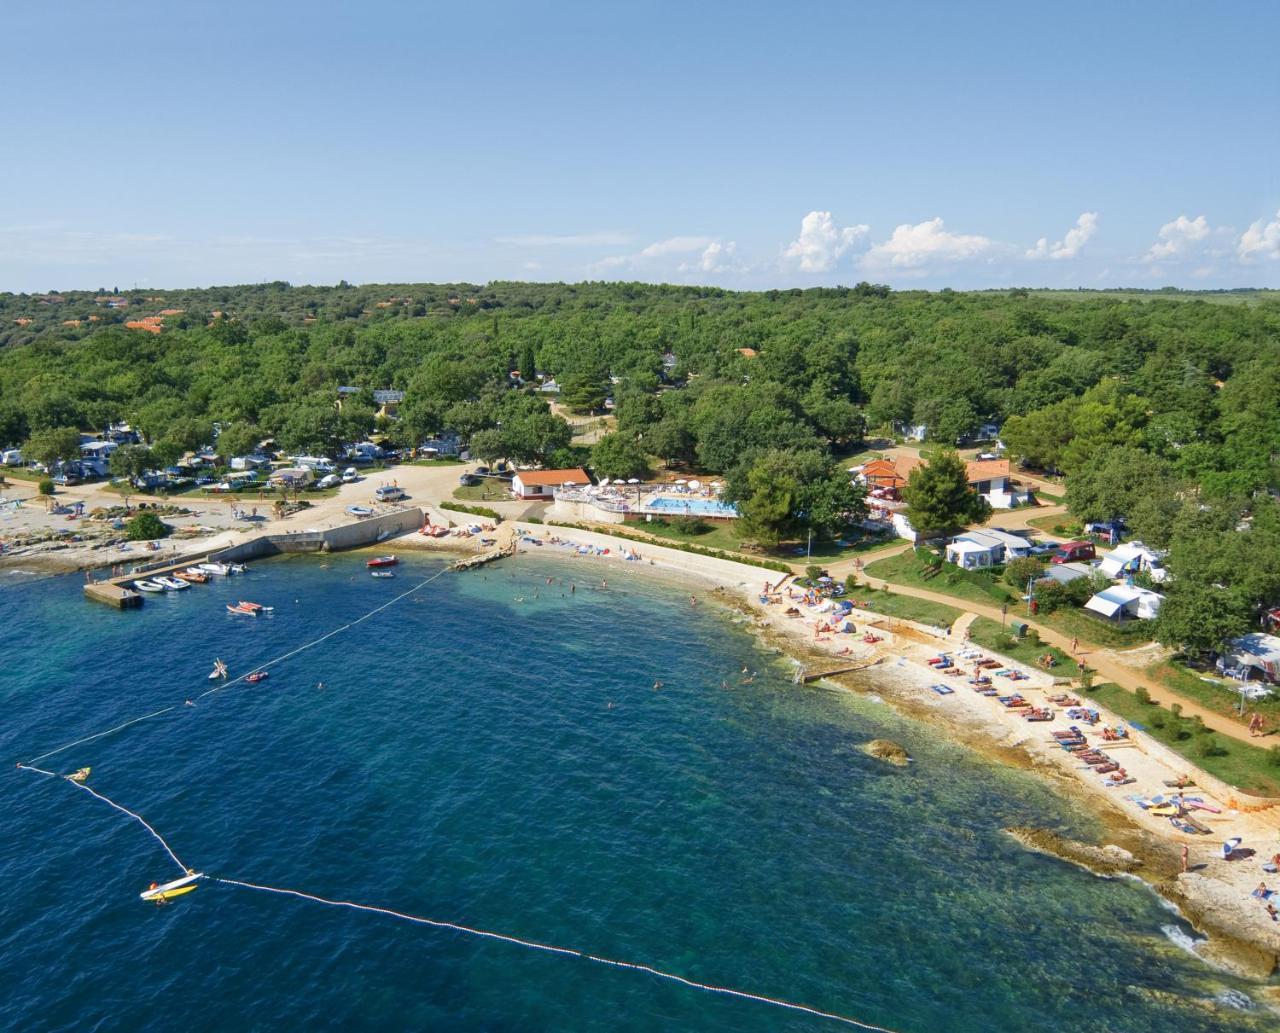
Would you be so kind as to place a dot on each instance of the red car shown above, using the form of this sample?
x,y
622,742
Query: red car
x,y
1071,552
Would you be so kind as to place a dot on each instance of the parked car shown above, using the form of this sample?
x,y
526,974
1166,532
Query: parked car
x,y
350,474
329,481
388,493
1074,552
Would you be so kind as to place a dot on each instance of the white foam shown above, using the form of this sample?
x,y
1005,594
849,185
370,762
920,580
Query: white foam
x,y
1182,939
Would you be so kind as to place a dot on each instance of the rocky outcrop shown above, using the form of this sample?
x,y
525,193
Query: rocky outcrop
x,y
1101,860
888,751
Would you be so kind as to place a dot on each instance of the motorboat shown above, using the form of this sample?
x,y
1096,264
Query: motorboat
x,y
247,610
148,586
256,677
382,561
360,511
215,568
383,573
219,670
169,890
255,607
192,576
236,568
171,583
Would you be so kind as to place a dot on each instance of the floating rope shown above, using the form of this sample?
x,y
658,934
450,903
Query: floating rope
x,y
693,984
261,667
123,810
468,930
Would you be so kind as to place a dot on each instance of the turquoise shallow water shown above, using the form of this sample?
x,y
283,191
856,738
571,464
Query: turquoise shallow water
x,y
462,762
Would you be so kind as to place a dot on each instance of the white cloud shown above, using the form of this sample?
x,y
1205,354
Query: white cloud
x,y
566,240
925,243
1070,245
1260,240
715,258
1177,238
675,246
821,242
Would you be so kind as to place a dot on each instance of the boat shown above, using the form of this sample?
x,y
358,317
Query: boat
x,y
242,609
256,677
255,607
80,775
215,568
382,561
237,568
382,573
148,586
193,577
219,670
171,583
360,511
169,890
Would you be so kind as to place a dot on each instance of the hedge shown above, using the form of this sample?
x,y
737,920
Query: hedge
x,y
697,550
480,511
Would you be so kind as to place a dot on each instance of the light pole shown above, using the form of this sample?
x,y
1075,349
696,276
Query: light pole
x,y
808,549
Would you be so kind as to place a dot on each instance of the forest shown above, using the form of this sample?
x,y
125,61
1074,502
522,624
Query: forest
x,y
1160,409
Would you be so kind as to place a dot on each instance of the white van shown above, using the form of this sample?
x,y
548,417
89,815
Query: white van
x,y
388,493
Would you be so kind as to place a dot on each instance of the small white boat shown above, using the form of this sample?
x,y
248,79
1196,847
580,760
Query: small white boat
x,y
360,511
383,573
148,586
173,584
215,568
237,568
169,890
219,670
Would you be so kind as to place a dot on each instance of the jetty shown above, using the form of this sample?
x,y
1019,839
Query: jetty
x,y
118,591
861,664
479,560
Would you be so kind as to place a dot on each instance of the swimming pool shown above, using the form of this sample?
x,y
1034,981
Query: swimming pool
x,y
692,506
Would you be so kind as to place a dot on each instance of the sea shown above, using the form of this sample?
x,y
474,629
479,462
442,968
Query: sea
x,y
560,749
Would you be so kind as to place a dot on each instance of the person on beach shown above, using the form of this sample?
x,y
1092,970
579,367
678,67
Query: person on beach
x,y
1075,644
1186,865
1255,724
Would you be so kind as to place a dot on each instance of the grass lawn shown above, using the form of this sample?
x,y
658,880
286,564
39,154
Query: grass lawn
x,y
989,635
908,569
1220,698
486,491
1087,628
18,473
438,461
1064,520
1240,764
891,604
720,536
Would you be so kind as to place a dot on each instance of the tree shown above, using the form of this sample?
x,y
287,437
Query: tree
x,y
1018,572
488,446
165,453
939,499
146,527
584,391
1121,482
52,446
765,514
618,455
131,461
528,371
1200,617
238,439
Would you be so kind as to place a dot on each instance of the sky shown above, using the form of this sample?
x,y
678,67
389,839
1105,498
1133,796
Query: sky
x,y
742,145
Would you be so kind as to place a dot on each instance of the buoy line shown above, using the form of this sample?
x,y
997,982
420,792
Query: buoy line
x,y
389,912
467,930
235,681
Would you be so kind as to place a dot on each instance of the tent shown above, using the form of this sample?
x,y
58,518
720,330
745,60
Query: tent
x,y
1121,601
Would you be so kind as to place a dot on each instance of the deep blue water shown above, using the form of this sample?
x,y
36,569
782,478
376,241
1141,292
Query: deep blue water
x,y
462,761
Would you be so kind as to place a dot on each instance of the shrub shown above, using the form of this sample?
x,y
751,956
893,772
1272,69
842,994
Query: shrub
x,y
813,572
1086,678
1142,695
1176,710
690,525
1157,719
850,582
1018,572
1273,756
46,486
146,526
480,511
